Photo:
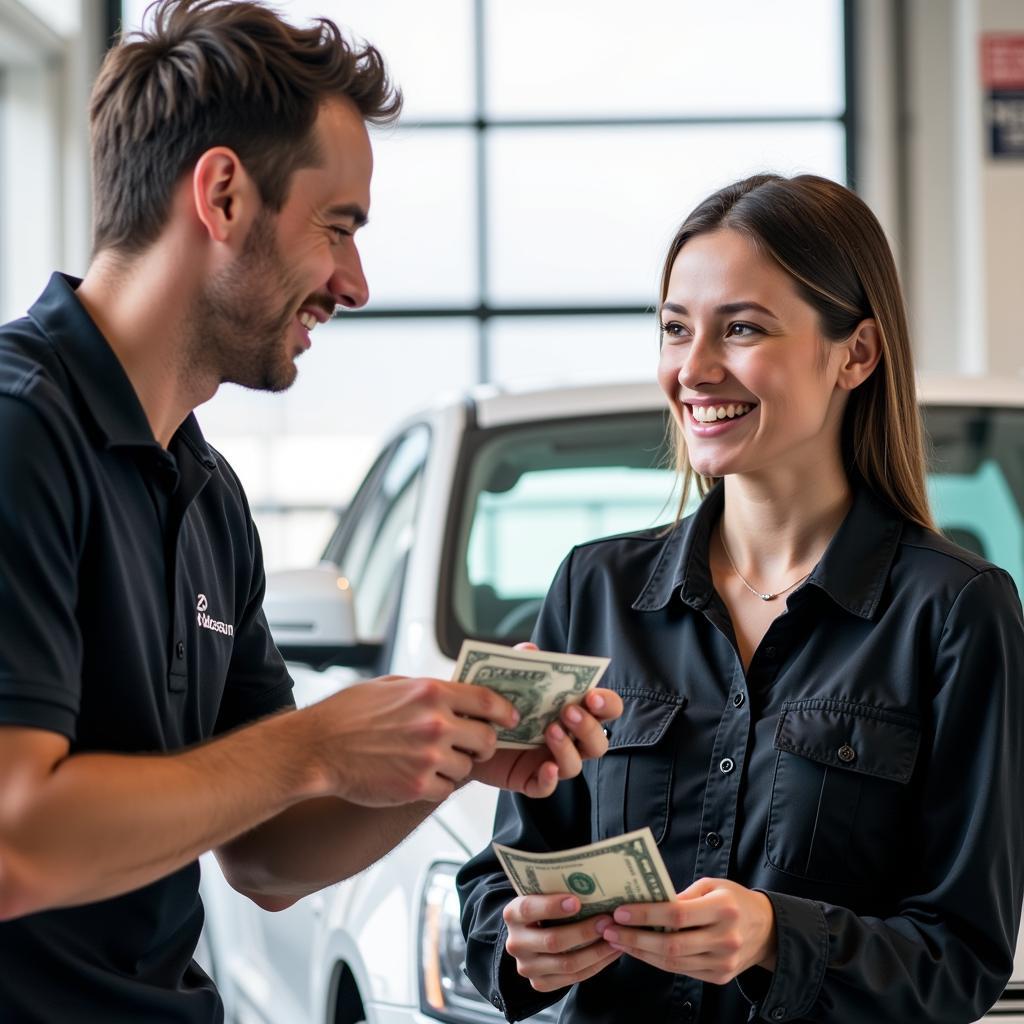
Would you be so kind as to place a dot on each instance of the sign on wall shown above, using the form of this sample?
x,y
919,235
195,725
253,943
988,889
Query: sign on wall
x,y
1002,76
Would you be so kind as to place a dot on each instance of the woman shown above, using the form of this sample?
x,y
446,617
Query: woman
x,y
823,710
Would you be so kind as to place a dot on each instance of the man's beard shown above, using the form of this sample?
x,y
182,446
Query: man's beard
x,y
235,334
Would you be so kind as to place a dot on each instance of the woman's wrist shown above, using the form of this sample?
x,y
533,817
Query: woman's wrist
x,y
770,944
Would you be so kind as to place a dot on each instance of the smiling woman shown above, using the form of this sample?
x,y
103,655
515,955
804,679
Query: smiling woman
x,y
835,794
781,233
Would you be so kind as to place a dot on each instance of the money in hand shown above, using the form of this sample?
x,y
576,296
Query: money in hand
x,y
538,683
603,875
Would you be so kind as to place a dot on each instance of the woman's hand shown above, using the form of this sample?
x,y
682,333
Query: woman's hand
x,y
559,955
718,929
576,737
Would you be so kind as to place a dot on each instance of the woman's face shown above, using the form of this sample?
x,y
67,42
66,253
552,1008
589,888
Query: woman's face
x,y
744,366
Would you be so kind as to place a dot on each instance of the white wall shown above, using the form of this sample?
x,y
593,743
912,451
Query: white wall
x,y
965,211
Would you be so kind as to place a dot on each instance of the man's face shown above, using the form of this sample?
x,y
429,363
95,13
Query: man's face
x,y
255,317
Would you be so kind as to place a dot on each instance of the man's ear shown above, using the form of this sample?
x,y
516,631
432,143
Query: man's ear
x,y
861,352
224,195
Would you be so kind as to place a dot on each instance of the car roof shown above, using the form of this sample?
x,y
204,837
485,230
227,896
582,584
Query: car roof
x,y
497,406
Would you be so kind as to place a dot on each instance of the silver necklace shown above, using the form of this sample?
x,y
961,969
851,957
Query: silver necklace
x,y
753,590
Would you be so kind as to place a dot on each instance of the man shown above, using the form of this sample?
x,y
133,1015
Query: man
x,y
231,171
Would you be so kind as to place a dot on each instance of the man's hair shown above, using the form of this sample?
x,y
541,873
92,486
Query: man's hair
x,y
212,73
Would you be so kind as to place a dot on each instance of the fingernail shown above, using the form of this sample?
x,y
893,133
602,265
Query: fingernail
x,y
611,936
557,732
574,715
569,904
618,949
596,701
622,916
515,717
601,923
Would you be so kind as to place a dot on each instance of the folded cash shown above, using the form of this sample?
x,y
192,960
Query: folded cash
x,y
603,875
538,683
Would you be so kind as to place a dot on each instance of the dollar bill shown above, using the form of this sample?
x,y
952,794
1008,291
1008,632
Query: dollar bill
x,y
603,875
538,683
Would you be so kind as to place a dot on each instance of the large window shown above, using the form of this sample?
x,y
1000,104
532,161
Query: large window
x,y
520,210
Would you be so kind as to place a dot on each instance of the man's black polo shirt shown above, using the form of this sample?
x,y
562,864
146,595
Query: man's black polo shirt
x,y
131,586
865,772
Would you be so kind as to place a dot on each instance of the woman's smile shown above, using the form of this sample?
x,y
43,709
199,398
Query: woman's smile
x,y
713,417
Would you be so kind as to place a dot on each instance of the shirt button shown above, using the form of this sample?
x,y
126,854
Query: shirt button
x,y
778,1013
726,765
179,650
769,652
713,839
737,700
687,1010
847,754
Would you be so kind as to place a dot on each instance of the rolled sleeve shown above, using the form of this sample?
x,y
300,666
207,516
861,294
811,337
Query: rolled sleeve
x,y
801,959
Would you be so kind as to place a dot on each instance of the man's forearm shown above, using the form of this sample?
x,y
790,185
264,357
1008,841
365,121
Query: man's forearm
x,y
100,825
312,845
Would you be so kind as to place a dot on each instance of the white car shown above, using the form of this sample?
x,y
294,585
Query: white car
x,y
456,531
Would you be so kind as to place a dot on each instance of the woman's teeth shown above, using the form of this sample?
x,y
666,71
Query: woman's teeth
x,y
308,320
709,413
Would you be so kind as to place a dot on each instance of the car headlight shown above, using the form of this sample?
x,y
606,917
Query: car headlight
x,y
445,991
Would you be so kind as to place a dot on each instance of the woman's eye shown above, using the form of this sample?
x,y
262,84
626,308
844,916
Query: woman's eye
x,y
673,329
743,330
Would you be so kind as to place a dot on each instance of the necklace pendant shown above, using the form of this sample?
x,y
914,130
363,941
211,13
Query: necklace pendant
x,y
767,597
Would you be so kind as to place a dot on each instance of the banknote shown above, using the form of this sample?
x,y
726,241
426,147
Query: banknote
x,y
603,875
539,683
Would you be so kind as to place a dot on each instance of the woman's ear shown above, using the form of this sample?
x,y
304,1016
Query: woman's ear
x,y
861,352
224,195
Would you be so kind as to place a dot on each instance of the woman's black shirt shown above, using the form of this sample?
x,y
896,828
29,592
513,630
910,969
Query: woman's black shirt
x,y
866,773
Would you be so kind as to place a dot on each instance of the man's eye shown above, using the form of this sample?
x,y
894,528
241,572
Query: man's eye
x,y
339,232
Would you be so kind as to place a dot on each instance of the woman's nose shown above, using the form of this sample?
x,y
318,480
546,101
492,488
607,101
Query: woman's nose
x,y
701,364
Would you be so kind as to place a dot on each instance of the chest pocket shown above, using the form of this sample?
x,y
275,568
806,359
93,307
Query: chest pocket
x,y
840,794
631,786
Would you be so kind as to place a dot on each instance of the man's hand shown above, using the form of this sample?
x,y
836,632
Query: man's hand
x,y
555,956
718,929
396,740
578,736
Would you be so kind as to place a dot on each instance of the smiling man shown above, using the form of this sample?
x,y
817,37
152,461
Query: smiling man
x,y
145,714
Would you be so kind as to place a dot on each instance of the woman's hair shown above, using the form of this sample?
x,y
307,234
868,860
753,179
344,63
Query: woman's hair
x,y
832,246
209,73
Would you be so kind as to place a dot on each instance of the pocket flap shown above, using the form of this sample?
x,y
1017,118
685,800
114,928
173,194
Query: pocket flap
x,y
646,715
857,737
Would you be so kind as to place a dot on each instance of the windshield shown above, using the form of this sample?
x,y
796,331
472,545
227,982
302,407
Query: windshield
x,y
532,492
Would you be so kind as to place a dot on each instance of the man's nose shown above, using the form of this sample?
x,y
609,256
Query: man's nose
x,y
348,282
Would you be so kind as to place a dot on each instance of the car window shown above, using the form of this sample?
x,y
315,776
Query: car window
x,y
532,492
373,556
976,482
535,491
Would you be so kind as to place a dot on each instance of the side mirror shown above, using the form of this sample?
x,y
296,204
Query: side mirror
x,y
312,618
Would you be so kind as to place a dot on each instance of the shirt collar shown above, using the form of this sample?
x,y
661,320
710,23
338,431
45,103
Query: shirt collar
x,y
98,375
852,571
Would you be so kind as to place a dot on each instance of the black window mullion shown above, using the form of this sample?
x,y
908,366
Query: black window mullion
x,y
483,221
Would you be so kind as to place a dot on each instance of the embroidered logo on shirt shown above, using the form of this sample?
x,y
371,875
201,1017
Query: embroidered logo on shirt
x,y
206,622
